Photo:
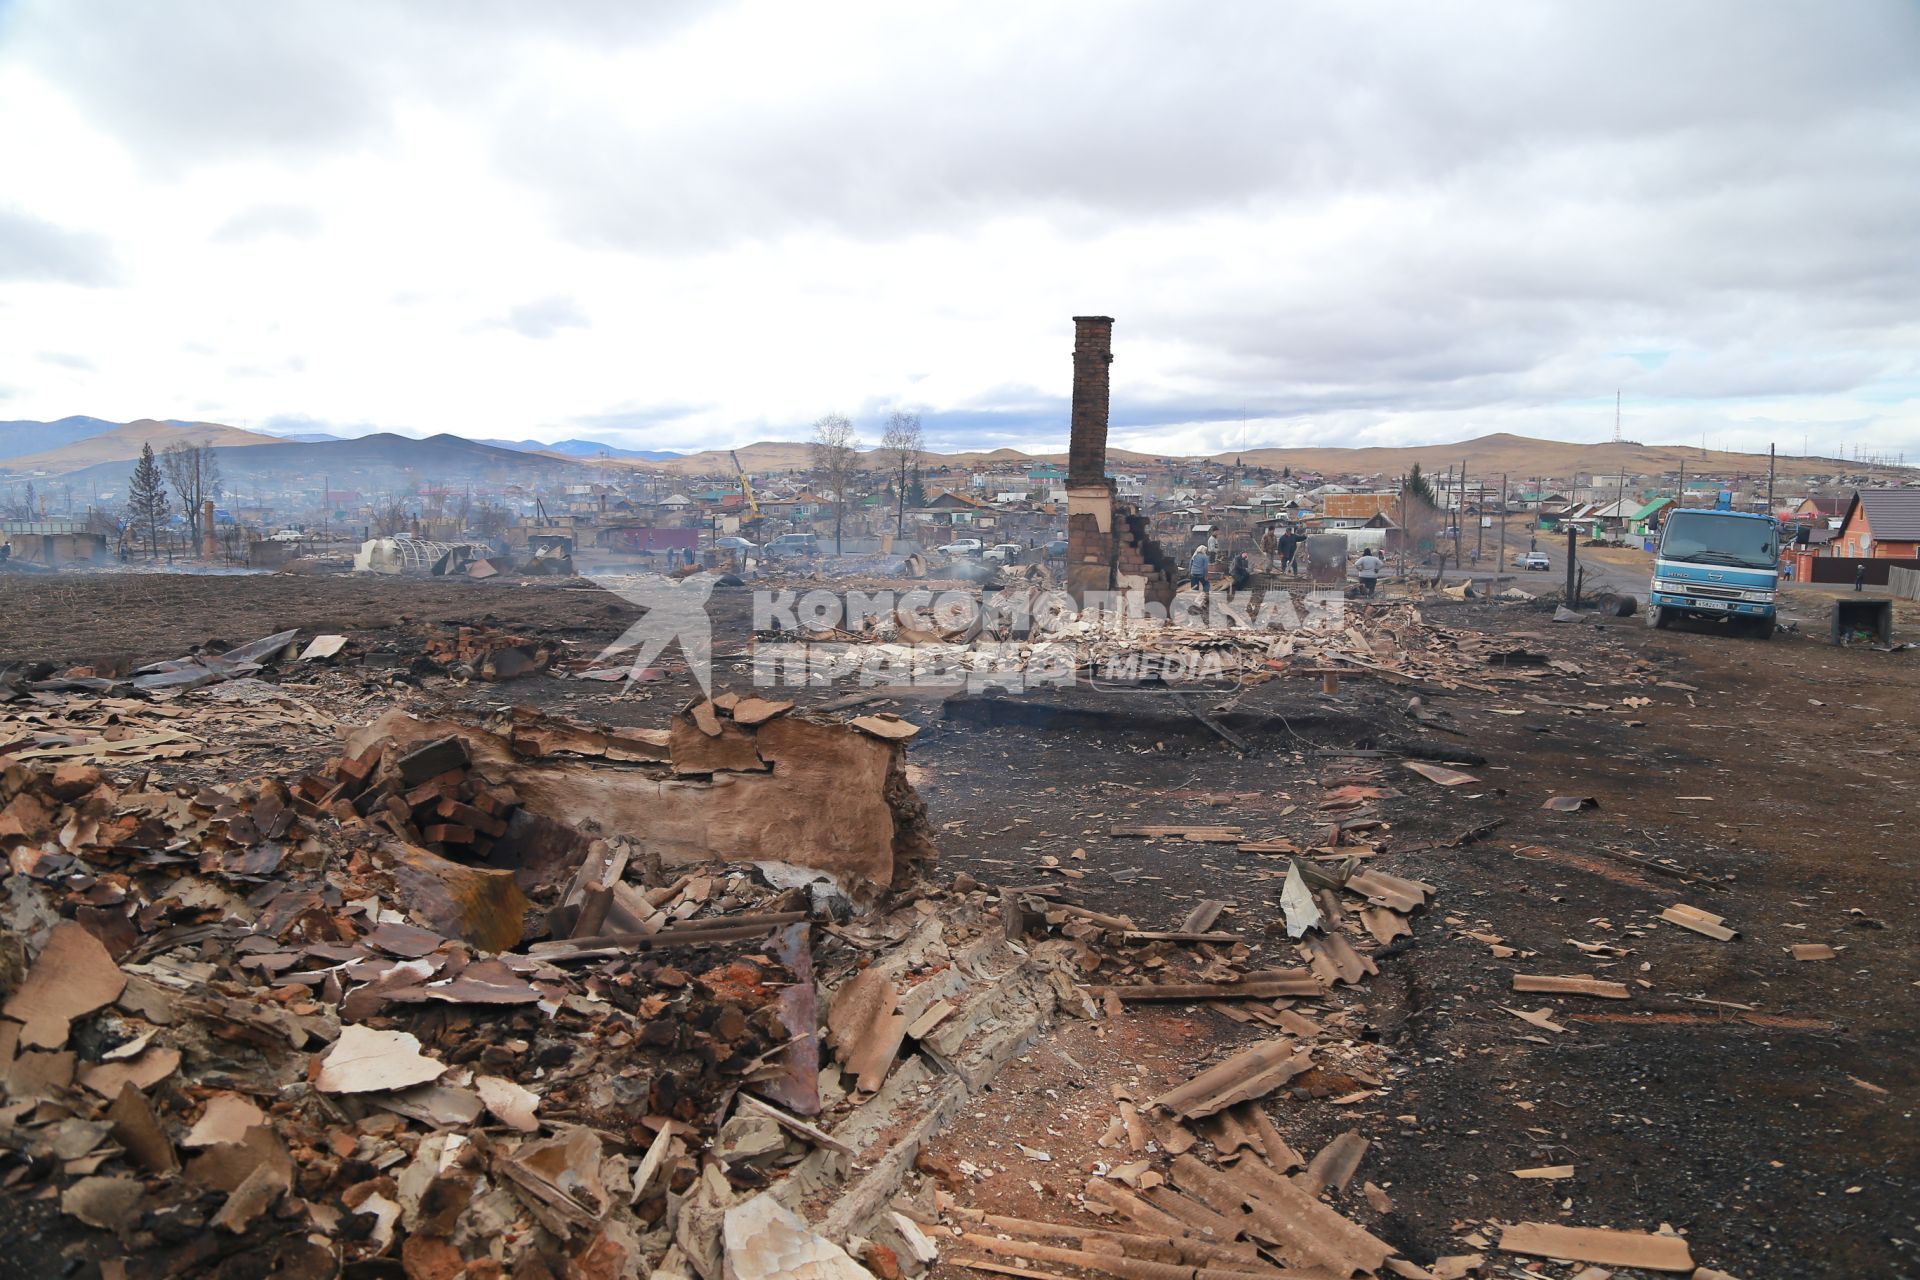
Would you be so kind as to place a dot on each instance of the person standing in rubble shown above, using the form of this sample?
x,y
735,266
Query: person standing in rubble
x,y
1239,575
1197,571
1268,545
1289,548
1368,568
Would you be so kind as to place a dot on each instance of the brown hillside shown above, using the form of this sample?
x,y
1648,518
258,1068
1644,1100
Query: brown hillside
x,y
122,444
1521,458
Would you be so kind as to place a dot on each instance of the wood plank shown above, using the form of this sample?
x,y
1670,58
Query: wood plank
x,y
1305,984
1596,1244
1701,922
1197,833
1571,986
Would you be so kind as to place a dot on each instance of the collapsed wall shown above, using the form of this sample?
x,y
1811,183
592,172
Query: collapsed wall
x,y
1108,545
733,779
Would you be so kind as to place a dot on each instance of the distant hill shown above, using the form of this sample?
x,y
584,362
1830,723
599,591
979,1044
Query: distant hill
x,y
1521,458
582,449
781,455
122,444
380,463
22,437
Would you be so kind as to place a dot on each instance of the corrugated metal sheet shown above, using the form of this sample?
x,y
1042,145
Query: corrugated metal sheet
x,y
1357,506
1892,514
42,528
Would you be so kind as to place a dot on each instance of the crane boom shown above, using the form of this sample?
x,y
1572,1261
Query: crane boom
x,y
746,485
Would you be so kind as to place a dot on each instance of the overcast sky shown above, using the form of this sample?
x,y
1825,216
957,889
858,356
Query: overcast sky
x,y
674,225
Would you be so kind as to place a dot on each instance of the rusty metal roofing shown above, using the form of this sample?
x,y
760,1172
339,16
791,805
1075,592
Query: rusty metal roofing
x,y
1357,506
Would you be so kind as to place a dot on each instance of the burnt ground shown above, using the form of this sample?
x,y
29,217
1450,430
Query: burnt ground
x,y
1762,1105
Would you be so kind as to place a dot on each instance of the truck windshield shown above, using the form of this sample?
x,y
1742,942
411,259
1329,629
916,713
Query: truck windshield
x,y
1708,537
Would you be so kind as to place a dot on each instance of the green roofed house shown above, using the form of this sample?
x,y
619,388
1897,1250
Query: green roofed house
x,y
1646,521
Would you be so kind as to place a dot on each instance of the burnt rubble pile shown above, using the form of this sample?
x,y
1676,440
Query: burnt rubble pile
x,y
455,1005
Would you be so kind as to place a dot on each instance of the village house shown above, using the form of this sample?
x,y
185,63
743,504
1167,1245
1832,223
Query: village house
x,y
1881,524
1821,511
1353,510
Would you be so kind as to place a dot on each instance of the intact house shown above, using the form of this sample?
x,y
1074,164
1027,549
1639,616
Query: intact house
x,y
1819,511
1880,524
1646,521
1353,510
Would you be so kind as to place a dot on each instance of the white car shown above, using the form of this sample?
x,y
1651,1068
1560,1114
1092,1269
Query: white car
x,y
1005,553
962,547
1533,560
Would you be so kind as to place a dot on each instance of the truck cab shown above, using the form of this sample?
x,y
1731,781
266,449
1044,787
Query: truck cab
x,y
1717,563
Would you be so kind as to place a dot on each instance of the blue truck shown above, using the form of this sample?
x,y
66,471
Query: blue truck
x,y
1717,563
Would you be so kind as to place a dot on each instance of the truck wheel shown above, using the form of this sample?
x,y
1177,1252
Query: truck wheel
x,y
1656,617
1760,628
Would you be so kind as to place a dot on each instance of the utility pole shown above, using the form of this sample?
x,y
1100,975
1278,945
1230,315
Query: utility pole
x,y
1502,561
1405,550
1573,556
1770,460
1460,511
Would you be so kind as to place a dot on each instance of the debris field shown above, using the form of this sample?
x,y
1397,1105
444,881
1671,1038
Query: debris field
x,y
1438,940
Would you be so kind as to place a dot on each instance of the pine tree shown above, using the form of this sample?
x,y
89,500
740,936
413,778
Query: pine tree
x,y
147,498
1417,487
916,492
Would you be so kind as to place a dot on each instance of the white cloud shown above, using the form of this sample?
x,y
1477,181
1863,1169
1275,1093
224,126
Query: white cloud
x,y
544,317
1350,224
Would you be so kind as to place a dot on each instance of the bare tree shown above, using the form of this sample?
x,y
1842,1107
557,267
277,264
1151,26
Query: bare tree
x,y
390,517
491,520
902,443
836,457
194,473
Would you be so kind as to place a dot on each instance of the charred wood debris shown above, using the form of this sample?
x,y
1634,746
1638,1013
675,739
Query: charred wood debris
x,y
526,996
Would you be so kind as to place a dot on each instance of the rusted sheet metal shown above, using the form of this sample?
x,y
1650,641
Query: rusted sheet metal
x,y
1249,1074
797,1087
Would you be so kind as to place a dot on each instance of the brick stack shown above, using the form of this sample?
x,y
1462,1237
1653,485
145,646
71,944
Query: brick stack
x,y
1125,559
1087,445
426,795
1140,557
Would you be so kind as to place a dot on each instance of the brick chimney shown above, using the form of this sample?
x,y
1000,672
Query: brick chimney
x,y
1087,446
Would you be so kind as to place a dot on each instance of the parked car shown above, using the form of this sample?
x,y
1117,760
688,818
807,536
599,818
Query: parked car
x,y
736,544
1533,560
1057,549
795,544
1004,553
963,547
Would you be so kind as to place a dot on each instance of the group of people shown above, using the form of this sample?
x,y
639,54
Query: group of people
x,y
1285,547
1280,551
